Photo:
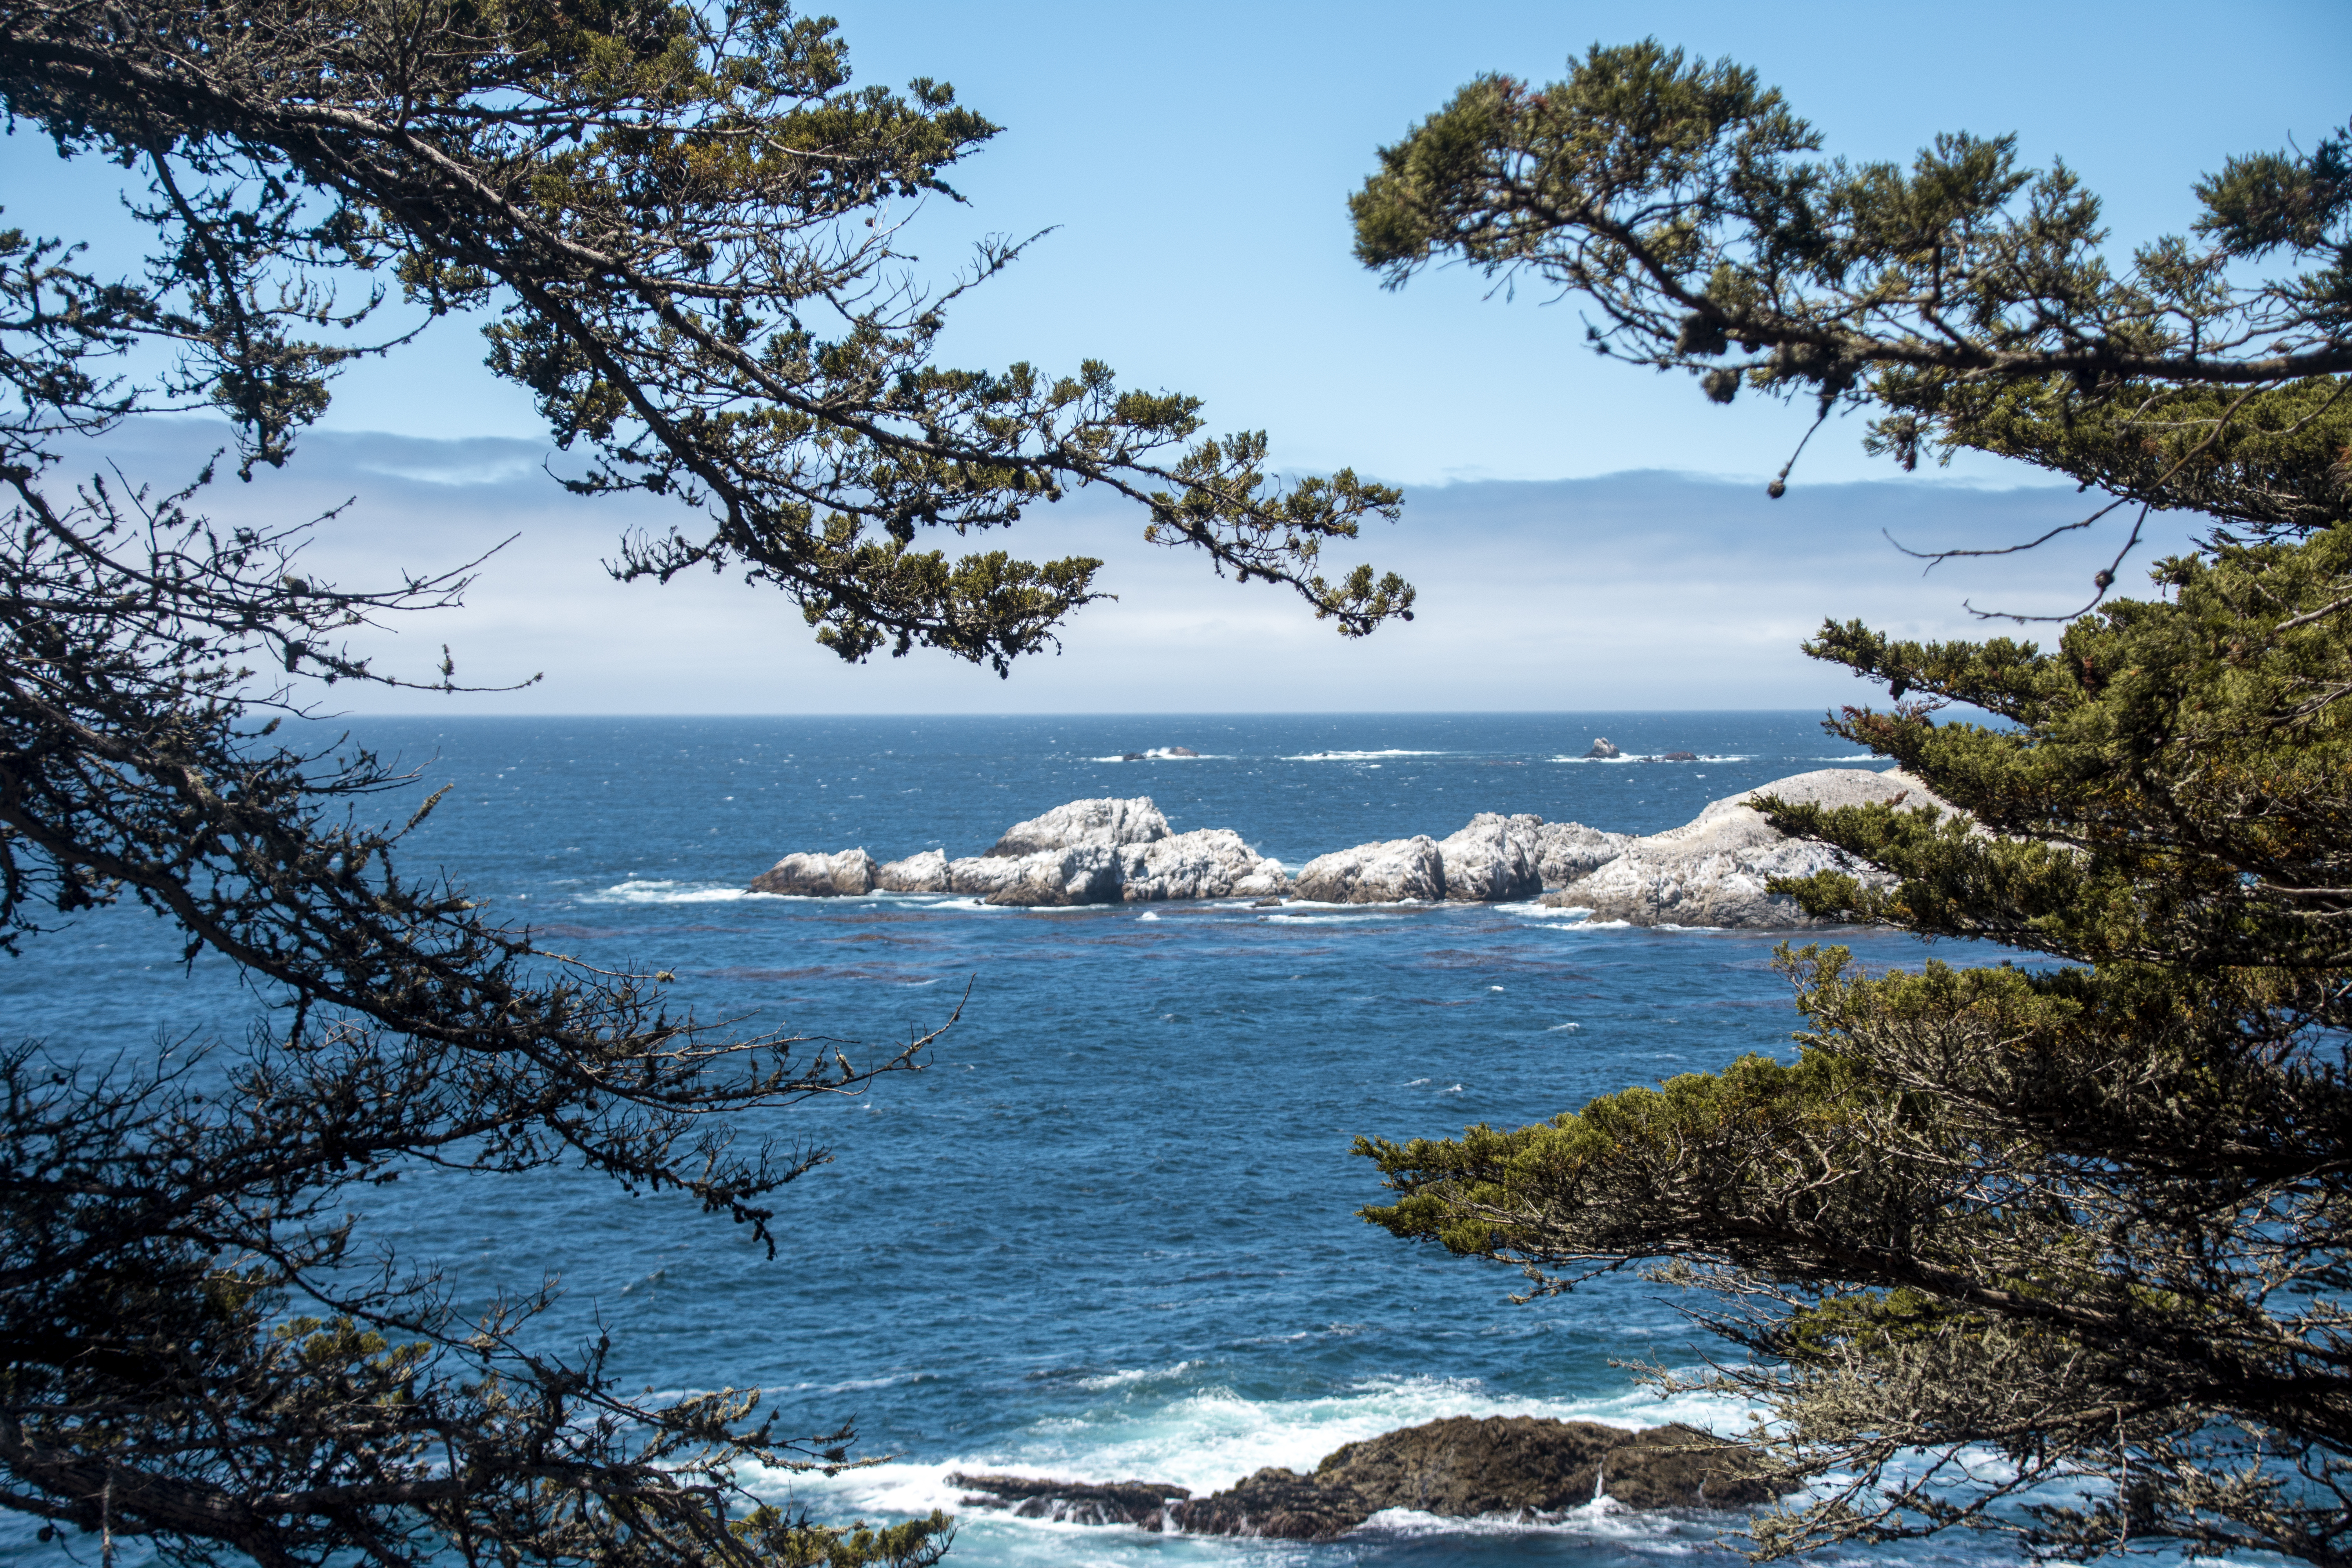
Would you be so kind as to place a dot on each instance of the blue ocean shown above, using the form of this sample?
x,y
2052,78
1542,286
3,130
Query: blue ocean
x,y
1110,1230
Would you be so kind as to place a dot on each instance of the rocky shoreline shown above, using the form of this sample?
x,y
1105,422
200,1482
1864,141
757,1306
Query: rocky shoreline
x,y
1515,1466
1711,871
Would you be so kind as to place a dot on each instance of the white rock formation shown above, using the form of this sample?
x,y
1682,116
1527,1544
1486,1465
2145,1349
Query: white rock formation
x,y
1492,859
923,873
846,874
1711,871
1384,873
1208,863
1083,874
1567,850
1108,821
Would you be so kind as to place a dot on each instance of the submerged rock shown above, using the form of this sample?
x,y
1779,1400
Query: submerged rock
x,y
1106,821
1384,873
846,874
1712,870
1458,1468
923,873
1143,1504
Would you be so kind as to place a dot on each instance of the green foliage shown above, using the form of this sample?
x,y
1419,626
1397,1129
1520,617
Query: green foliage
x,y
2088,1215
683,216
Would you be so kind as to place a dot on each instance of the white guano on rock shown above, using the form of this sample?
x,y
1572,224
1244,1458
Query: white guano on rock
x,y
1388,872
1712,870
844,875
1107,821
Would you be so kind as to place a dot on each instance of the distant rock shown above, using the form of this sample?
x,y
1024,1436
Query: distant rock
x,y
1143,1504
1711,871
1492,859
1567,850
1107,822
847,874
1676,757
1385,873
1603,749
1130,756
1207,863
1459,1467
923,873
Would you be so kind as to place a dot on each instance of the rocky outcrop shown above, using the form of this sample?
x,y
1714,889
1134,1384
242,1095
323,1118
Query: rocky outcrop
x,y
1458,1468
1144,1504
1107,822
1603,751
1384,873
1712,870
847,874
1208,863
1492,859
1085,874
1567,850
923,873
1103,851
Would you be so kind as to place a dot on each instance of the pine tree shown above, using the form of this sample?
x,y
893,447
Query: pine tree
x,y
2056,1248
682,216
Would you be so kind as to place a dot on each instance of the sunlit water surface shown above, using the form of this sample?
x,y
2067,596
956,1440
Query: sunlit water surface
x,y
1110,1230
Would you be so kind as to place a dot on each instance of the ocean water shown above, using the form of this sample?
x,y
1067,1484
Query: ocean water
x,y
1108,1231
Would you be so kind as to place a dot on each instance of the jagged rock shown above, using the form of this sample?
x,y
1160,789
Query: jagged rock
x,y
1711,871
1144,1504
1464,1467
923,873
1602,749
1384,873
1208,863
1567,850
1459,1467
1277,1503
1492,859
846,874
1107,821
1085,874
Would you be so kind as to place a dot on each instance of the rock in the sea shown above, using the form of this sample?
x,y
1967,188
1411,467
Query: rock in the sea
x,y
1676,757
1493,859
846,874
1384,873
923,873
1463,1467
1207,863
1567,850
1085,874
1178,751
1711,871
1603,749
1107,821
1143,1504
1459,1467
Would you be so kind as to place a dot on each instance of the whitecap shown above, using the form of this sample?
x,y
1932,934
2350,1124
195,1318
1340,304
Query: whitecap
x,y
1165,755
1328,919
660,892
1357,756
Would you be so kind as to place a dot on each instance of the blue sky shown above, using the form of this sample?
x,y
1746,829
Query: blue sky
x,y
1197,161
